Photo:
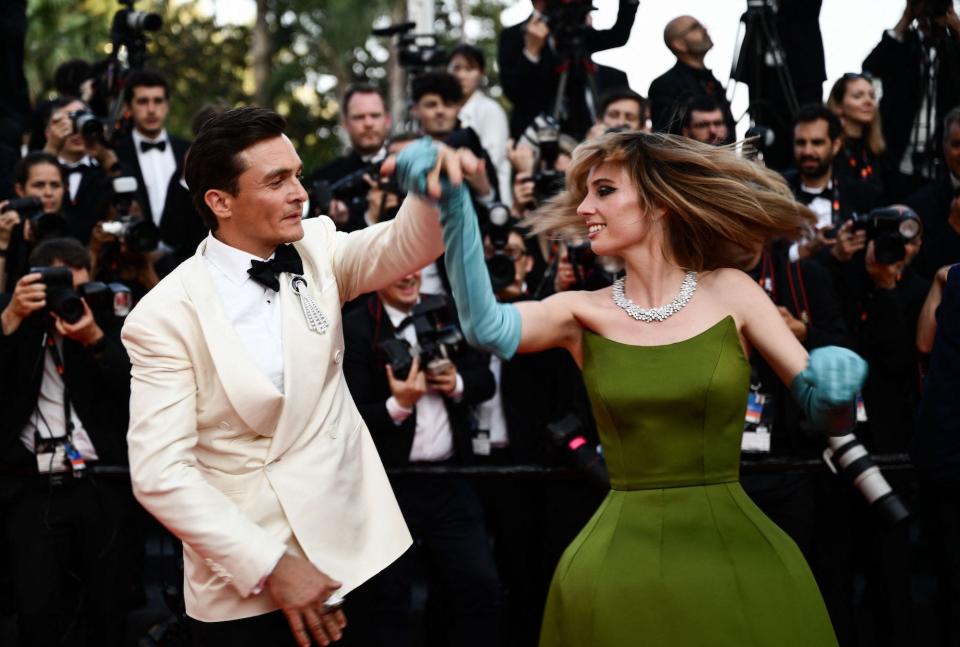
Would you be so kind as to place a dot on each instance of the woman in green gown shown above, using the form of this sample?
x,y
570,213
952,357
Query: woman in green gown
x,y
677,555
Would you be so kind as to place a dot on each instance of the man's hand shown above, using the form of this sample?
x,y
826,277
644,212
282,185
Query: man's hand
x,y
407,392
883,276
849,242
57,131
29,295
338,212
950,20
523,192
535,36
424,164
378,200
796,326
522,157
444,380
474,172
84,331
8,220
300,589
565,277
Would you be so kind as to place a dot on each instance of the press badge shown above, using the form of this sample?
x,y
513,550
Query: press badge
x,y
757,441
861,409
755,403
51,454
481,443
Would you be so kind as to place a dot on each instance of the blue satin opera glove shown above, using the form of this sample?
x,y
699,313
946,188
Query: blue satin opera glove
x,y
827,389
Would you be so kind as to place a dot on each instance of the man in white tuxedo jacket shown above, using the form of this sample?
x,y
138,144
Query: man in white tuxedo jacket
x,y
244,440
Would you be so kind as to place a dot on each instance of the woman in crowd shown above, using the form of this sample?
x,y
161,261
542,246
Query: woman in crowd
x,y
677,554
854,100
482,113
38,175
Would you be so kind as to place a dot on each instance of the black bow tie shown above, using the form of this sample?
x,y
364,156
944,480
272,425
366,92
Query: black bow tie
x,y
147,146
806,197
285,259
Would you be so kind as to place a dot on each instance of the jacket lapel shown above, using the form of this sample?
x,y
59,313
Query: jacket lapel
x,y
251,393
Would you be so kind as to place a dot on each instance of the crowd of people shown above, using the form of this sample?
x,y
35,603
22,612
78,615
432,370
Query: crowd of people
x,y
93,225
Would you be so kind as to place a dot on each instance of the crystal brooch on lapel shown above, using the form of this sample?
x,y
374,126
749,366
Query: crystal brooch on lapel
x,y
316,320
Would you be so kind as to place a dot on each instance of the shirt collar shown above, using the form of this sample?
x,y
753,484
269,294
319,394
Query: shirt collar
x,y
382,153
86,160
233,262
954,181
137,138
396,316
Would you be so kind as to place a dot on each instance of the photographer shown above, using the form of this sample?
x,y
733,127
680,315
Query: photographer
x,y
66,385
621,108
88,163
422,418
688,40
39,183
530,53
918,62
938,204
703,121
366,120
148,152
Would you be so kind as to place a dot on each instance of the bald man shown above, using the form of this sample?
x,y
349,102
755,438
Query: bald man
x,y
669,93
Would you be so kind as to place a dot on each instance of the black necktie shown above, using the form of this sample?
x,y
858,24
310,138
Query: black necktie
x,y
148,146
285,259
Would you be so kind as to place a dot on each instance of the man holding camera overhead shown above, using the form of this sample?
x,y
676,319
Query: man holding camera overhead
x,y
418,414
66,385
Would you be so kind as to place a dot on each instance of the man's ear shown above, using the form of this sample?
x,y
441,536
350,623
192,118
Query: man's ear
x,y
836,145
220,203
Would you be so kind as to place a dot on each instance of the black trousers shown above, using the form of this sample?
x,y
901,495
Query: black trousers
x,y
267,630
446,520
65,546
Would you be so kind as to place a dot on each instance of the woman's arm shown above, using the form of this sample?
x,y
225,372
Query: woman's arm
x,y
927,322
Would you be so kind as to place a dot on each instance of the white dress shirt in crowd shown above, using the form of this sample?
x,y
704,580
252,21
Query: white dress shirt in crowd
x,y
489,121
822,208
75,173
433,437
253,310
157,167
48,418
490,414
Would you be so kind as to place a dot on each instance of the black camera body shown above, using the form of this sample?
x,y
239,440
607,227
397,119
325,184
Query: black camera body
x,y
547,180
567,435
62,299
567,20
891,229
502,270
86,124
351,189
439,341
412,53
45,225
138,234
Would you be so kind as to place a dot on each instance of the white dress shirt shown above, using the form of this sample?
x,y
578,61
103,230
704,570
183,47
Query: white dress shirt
x,y
822,208
157,168
253,310
433,437
489,121
490,416
75,173
48,418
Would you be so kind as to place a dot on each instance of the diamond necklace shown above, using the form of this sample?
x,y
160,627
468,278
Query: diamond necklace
x,y
655,314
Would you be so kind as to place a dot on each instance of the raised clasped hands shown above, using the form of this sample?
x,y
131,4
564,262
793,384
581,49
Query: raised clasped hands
x,y
431,169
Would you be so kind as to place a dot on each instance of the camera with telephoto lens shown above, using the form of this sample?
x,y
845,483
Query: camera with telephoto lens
x,y
547,180
502,269
890,229
845,455
86,124
45,225
415,52
567,20
67,303
568,435
438,340
351,189
130,24
137,234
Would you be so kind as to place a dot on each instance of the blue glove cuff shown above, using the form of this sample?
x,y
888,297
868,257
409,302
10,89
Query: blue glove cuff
x,y
827,389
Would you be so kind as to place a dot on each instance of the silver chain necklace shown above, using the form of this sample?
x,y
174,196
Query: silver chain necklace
x,y
660,313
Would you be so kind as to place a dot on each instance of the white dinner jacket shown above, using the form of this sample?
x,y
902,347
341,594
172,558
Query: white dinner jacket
x,y
235,469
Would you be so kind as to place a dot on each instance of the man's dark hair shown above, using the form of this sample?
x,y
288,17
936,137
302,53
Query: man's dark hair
x,y
440,83
472,54
698,104
619,94
69,251
21,172
145,79
359,88
817,111
204,114
953,117
214,162
70,75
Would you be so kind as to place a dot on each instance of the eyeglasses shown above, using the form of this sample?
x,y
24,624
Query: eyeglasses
x,y
853,76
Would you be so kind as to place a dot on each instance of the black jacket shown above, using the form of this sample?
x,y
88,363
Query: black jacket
x,y
98,382
335,170
941,242
130,164
898,65
181,227
670,92
91,203
366,376
532,87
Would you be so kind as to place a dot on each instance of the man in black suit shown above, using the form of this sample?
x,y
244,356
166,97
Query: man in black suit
x,y
88,164
66,388
366,120
422,418
148,152
919,63
669,93
938,205
530,54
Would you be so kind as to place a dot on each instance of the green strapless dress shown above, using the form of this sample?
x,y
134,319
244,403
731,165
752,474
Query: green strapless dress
x,y
677,554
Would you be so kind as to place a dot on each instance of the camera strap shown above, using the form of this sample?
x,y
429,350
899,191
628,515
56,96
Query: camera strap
x,y
798,289
77,462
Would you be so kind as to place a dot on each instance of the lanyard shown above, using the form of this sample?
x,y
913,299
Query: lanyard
x,y
51,345
798,289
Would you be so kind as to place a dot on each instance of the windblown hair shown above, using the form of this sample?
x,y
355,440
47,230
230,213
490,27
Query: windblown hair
x,y
873,137
719,205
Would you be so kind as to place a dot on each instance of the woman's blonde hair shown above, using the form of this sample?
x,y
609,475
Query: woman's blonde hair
x,y
719,205
873,138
